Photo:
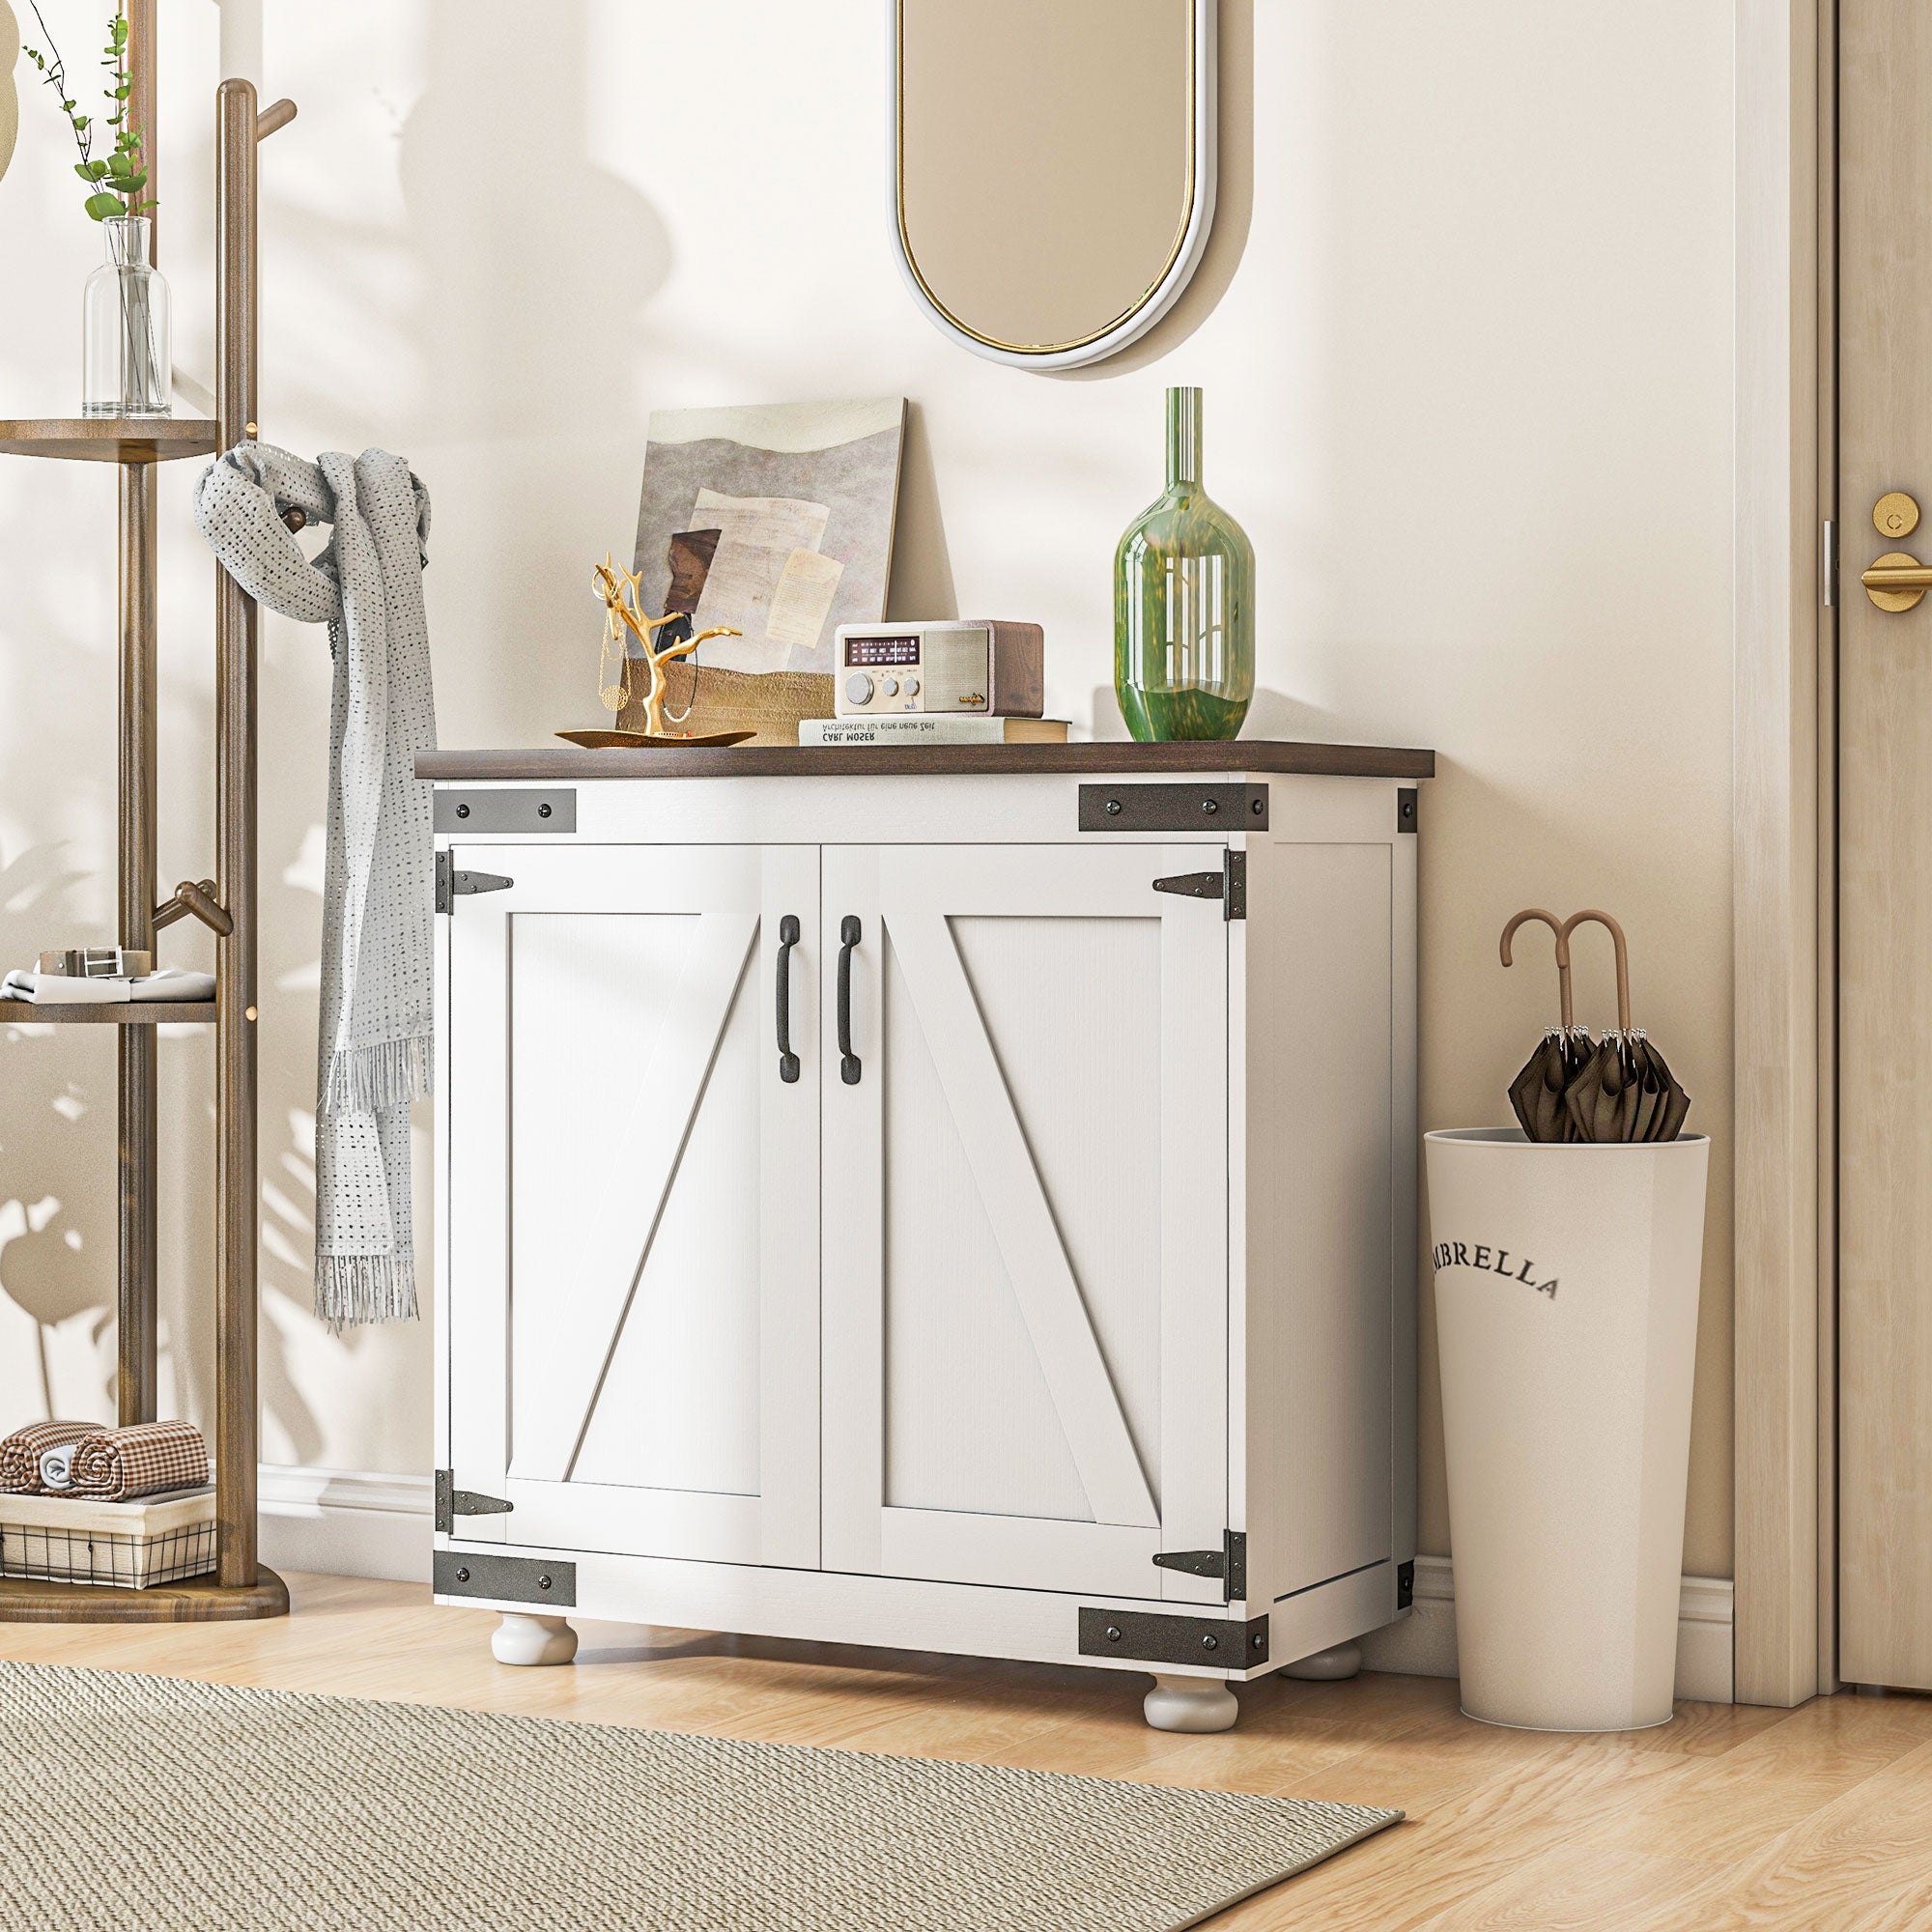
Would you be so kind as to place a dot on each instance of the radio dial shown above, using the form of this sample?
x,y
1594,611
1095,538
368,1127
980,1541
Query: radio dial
x,y
912,687
889,686
858,688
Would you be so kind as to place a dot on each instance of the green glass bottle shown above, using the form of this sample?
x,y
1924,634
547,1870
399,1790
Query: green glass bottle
x,y
1184,603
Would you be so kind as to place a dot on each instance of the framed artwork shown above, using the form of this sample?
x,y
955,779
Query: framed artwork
x,y
774,517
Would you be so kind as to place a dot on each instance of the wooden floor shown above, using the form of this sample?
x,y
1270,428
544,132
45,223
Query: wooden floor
x,y
1819,1819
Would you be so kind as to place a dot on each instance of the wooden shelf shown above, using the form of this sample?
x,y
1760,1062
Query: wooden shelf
x,y
109,438
752,762
117,1012
201,1601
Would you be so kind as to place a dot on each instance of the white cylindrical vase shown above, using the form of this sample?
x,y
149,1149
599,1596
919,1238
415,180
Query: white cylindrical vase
x,y
1566,1314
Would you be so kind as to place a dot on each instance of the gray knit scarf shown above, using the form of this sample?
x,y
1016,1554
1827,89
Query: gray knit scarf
x,y
378,895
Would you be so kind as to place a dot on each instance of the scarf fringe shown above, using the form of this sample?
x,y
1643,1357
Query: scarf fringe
x,y
352,1289
373,1079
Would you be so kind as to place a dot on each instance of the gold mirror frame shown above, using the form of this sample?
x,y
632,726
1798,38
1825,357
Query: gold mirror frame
x,y
1159,295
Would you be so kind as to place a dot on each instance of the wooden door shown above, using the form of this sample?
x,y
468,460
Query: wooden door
x,y
632,1210
1885,808
1026,1204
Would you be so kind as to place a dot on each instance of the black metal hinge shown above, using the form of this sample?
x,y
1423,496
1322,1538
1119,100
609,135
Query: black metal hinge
x,y
1407,809
1230,885
1229,1563
452,1502
451,880
1404,1585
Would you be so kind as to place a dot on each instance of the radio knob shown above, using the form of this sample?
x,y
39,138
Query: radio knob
x,y
858,688
912,687
889,686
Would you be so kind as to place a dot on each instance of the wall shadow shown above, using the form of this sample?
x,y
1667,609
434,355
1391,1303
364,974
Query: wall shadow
x,y
1233,206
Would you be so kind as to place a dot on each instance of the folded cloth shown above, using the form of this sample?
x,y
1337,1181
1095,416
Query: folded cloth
x,y
20,1453
57,1468
116,1463
169,983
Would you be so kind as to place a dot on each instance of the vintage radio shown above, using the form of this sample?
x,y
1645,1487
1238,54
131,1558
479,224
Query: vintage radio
x,y
973,667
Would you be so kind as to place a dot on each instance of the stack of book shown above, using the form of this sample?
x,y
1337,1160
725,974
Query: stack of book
x,y
921,728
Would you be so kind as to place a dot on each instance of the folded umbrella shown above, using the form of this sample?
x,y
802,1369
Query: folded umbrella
x,y
1537,1093
1626,1092
1665,1102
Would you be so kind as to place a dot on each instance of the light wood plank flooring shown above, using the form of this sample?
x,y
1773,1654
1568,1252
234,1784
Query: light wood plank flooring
x,y
1818,1819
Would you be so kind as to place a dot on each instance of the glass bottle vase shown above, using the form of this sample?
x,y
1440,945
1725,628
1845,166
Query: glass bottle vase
x,y
1184,603
126,364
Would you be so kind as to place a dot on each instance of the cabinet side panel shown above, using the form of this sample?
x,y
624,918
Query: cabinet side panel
x,y
1406,1158
1320,1211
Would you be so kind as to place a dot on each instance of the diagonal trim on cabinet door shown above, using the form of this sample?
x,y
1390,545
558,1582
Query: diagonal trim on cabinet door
x,y
1022,1221
696,1009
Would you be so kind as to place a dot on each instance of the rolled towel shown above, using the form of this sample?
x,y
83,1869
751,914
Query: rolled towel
x,y
20,1453
114,1465
57,1468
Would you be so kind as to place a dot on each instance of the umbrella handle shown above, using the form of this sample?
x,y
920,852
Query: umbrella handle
x,y
1616,933
1562,953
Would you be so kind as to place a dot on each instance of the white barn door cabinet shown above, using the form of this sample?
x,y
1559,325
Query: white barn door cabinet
x,y
953,1199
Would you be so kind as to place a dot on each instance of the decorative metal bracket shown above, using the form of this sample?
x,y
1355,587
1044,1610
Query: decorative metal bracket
x,y
544,1581
1141,1636
1173,808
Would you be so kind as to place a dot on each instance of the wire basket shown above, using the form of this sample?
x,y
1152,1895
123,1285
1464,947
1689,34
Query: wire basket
x,y
132,1546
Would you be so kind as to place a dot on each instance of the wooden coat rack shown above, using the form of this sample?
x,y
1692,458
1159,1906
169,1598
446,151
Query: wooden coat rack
x,y
240,1586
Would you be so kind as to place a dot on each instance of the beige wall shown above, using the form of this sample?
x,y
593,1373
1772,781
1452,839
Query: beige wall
x,y
1465,333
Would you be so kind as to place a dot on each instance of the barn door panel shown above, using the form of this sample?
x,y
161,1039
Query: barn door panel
x,y
636,1202
1025,1234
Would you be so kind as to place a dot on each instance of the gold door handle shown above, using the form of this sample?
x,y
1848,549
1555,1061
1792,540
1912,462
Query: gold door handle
x,y
1896,582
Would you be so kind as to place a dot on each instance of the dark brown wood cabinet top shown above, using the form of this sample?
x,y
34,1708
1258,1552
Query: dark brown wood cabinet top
x,y
756,761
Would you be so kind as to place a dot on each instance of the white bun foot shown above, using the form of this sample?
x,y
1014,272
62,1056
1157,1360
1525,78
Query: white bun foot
x,y
522,1640
1191,1704
1327,1667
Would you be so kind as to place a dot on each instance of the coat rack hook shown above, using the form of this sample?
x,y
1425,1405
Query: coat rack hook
x,y
196,896
276,115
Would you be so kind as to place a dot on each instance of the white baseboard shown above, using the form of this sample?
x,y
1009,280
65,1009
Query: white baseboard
x,y
344,1522
1423,1644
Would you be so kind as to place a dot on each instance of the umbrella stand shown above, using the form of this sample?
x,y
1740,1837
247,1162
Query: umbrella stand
x,y
1566,1257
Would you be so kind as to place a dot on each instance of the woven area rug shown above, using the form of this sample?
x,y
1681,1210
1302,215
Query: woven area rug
x,y
133,1803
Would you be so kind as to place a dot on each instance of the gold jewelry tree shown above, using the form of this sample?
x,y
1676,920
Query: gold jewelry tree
x,y
240,1586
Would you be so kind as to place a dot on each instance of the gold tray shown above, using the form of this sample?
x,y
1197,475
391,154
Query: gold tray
x,y
617,741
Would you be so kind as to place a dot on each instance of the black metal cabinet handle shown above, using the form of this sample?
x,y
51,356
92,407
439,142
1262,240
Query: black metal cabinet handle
x,y
848,1061
788,939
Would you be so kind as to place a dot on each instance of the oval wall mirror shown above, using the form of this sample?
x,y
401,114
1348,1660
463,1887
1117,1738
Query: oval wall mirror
x,y
1053,167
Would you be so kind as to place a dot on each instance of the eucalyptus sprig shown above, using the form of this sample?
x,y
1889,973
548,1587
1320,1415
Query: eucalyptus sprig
x,y
113,185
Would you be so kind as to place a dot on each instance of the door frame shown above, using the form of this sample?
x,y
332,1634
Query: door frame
x,y
1785,860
